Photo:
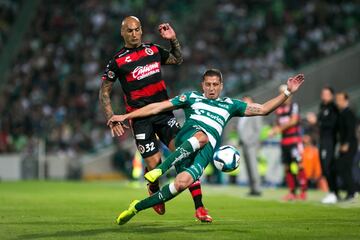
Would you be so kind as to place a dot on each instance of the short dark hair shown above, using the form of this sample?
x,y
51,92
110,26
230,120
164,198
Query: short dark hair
x,y
346,96
330,89
213,72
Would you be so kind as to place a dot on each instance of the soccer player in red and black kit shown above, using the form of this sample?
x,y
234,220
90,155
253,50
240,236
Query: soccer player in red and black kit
x,y
288,124
138,67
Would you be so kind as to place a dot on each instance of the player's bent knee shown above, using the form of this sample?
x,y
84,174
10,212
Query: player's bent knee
x,y
153,161
202,138
183,181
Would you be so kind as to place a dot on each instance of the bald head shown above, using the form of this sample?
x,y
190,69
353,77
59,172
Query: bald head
x,y
131,32
130,19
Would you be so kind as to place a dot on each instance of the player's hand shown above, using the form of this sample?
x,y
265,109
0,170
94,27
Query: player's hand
x,y
166,31
294,83
116,118
117,129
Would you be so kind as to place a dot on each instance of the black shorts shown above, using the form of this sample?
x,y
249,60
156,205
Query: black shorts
x,y
291,153
147,131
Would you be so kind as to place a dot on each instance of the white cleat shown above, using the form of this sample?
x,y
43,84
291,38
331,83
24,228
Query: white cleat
x,y
331,198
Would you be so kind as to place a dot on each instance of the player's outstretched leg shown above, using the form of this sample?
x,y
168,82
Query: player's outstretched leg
x,y
182,152
153,188
126,215
166,193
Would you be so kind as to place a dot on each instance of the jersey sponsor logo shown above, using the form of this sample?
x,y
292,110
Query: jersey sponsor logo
x,y
209,114
141,72
149,51
111,74
128,59
215,117
199,111
140,136
215,109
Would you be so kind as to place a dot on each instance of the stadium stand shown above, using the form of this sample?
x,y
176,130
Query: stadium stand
x,y
8,12
52,88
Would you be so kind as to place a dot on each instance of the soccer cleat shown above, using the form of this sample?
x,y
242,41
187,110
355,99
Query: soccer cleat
x,y
126,215
202,214
158,208
331,198
289,197
153,175
302,196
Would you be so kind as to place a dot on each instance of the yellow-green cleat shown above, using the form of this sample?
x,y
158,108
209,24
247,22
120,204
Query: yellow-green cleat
x,y
153,175
126,215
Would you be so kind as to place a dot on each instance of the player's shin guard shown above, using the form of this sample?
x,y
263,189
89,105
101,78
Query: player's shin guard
x,y
166,193
182,152
290,181
195,190
302,180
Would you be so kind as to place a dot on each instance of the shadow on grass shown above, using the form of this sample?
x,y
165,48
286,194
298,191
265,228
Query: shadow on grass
x,y
134,229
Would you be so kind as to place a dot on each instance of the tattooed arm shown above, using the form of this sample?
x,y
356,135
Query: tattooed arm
x,y
104,97
293,83
167,32
105,101
175,56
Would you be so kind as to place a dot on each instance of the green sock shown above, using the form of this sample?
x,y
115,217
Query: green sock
x,y
182,152
166,193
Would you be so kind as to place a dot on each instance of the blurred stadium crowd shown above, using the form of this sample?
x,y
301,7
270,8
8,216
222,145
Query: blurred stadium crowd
x,y
8,10
52,89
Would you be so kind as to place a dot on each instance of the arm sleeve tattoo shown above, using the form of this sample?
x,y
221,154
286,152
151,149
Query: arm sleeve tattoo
x,y
175,56
254,109
104,97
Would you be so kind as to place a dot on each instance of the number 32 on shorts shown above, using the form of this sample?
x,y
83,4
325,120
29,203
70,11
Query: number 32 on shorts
x,y
147,148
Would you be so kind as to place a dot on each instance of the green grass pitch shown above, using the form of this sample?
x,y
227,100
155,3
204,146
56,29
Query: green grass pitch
x,y
83,210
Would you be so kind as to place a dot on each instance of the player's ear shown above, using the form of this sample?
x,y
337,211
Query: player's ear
x,y
122,30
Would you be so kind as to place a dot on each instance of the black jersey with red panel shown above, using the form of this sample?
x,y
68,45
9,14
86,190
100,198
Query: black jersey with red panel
x,y
291,135
139,72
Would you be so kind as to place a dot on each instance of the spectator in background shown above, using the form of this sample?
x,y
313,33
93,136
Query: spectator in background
x,y
249,132
311,156
356,166
311,128
348,143
327,121
311,163
288,124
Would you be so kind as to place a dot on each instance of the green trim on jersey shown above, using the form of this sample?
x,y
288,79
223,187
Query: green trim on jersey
x,y
211,115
